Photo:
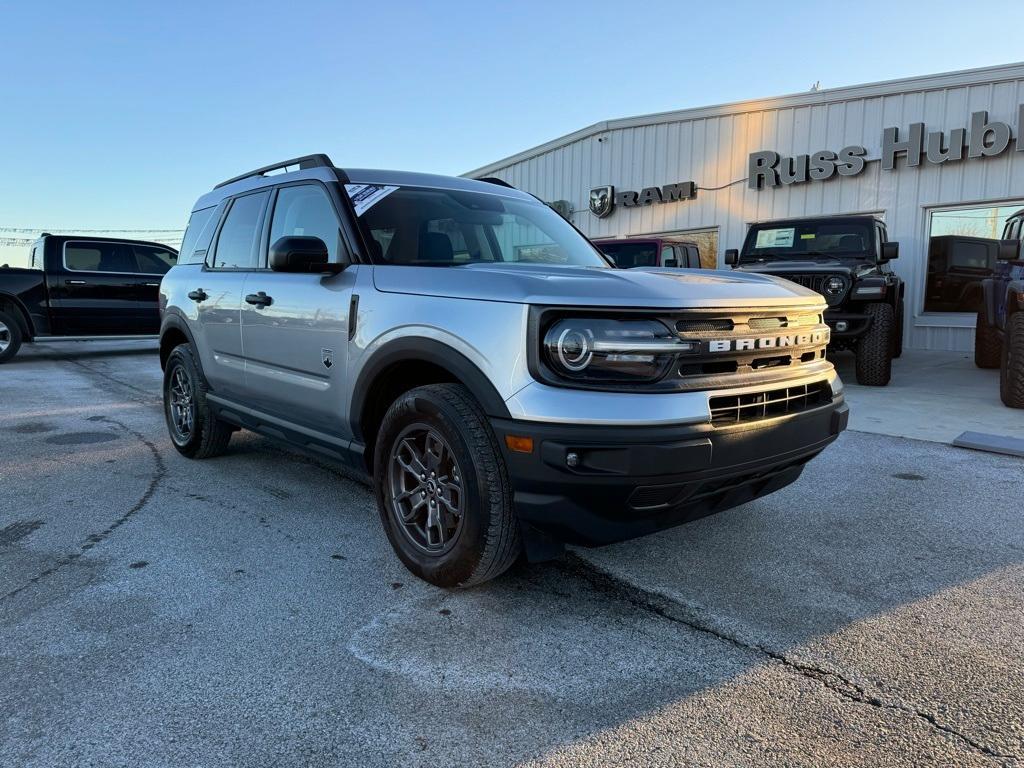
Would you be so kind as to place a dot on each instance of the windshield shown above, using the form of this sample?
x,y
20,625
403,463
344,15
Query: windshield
x,y
629,255
809,240
443,227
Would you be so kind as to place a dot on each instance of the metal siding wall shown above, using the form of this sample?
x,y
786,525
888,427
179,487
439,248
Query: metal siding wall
x,y
713,151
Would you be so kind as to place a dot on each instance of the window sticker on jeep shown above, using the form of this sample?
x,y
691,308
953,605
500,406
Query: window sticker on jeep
x,y
811,236
365,196
775,238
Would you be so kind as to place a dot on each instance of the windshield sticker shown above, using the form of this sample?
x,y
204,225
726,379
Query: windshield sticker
x,y
775,238
808,237
365,196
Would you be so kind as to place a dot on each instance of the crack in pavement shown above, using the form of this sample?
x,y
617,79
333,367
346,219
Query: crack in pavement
x,y
669,609
96,538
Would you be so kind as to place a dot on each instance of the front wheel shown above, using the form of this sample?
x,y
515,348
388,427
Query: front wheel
x,y
194,429
1011,372
875,348
443,491
10,337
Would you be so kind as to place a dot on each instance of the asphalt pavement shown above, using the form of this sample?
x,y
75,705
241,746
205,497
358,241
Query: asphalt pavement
x,y
248,611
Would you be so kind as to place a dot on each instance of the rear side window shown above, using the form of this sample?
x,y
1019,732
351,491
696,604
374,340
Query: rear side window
x,y
198,235
237,244
153,260
99,257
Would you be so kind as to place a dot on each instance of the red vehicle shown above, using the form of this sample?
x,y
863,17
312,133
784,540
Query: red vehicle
x,y
651,252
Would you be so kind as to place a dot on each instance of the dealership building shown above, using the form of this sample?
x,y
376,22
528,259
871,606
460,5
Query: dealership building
x,y
940,156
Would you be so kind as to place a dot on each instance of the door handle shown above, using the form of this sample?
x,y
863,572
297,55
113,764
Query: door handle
x,y
259,299
198,295
74,282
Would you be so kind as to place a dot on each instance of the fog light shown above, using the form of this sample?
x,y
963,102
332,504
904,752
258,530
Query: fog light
x,y
842,325
572,459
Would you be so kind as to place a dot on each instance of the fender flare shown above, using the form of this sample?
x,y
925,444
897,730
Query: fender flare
x,y
172,320
21,314
420,349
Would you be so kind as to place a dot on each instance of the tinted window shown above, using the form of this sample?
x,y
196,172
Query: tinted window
x,y
154,261
810,238
628,255
306,210
99,257
237,245
970,256
198,234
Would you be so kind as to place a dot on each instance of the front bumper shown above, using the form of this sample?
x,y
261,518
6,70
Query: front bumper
x,y
631,481
857,324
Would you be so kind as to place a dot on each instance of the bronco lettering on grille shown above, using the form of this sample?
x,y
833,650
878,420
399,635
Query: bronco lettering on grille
x,y
768,342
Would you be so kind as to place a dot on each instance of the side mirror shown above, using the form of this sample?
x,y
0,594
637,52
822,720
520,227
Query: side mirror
x,y
671,263
301,253
1008,250
732,257
890,251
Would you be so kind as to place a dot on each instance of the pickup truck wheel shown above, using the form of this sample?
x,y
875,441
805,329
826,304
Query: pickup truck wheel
x,y
195,431
10,337
875,348
1011,372
442,488
988,347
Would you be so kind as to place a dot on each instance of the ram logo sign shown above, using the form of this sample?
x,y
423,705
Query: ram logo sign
x,y
603,200
769,342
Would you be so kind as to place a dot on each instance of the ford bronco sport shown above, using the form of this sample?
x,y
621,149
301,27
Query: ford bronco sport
x,y
846,260
999,333
505,388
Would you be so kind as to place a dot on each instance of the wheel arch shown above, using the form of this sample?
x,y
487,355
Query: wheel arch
x,y
9,300
404,364
174,331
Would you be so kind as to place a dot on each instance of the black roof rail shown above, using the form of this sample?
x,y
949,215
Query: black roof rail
x,y
495,180
304,162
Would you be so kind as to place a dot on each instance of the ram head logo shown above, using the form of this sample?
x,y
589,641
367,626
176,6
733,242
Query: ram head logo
x,y
602,201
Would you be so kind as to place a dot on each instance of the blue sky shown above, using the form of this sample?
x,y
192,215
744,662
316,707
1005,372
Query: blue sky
x,y
120,114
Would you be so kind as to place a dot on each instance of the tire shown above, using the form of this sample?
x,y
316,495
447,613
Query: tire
x,y
875,348
988,347
441,547
10,336
207,436
1011,372
898,351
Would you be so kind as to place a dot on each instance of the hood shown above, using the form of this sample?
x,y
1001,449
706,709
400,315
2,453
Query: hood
x,y
832,267
593,286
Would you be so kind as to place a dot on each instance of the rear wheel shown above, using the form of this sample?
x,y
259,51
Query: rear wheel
x,y
988,347
194,429
442,488
10,337
876,347
1011,372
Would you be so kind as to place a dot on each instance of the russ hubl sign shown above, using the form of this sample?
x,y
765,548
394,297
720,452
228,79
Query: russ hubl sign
x,y
982,139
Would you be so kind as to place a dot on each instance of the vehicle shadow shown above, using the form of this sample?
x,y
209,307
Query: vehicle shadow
x,y
79,351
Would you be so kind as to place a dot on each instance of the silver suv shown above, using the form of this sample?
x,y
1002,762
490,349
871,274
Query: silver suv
x,y
505,387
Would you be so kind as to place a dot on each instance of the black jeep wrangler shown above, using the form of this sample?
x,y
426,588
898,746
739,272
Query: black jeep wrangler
x,y
846,260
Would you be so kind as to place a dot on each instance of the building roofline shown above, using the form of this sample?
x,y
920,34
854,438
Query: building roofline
x,y
993,74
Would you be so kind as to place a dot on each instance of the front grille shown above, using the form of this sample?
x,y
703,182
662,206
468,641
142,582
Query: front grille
x,y
753,406
815,282
770,343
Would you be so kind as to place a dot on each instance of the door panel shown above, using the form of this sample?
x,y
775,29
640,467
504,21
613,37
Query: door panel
x,y
296,349
97,292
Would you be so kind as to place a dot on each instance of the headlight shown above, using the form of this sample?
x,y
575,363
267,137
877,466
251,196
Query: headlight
x,y
602,349
835,286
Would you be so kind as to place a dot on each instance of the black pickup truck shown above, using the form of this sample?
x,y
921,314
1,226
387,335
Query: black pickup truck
x,y
82,288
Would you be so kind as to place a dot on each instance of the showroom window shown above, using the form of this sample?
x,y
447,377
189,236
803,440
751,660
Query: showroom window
x,y
962,248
